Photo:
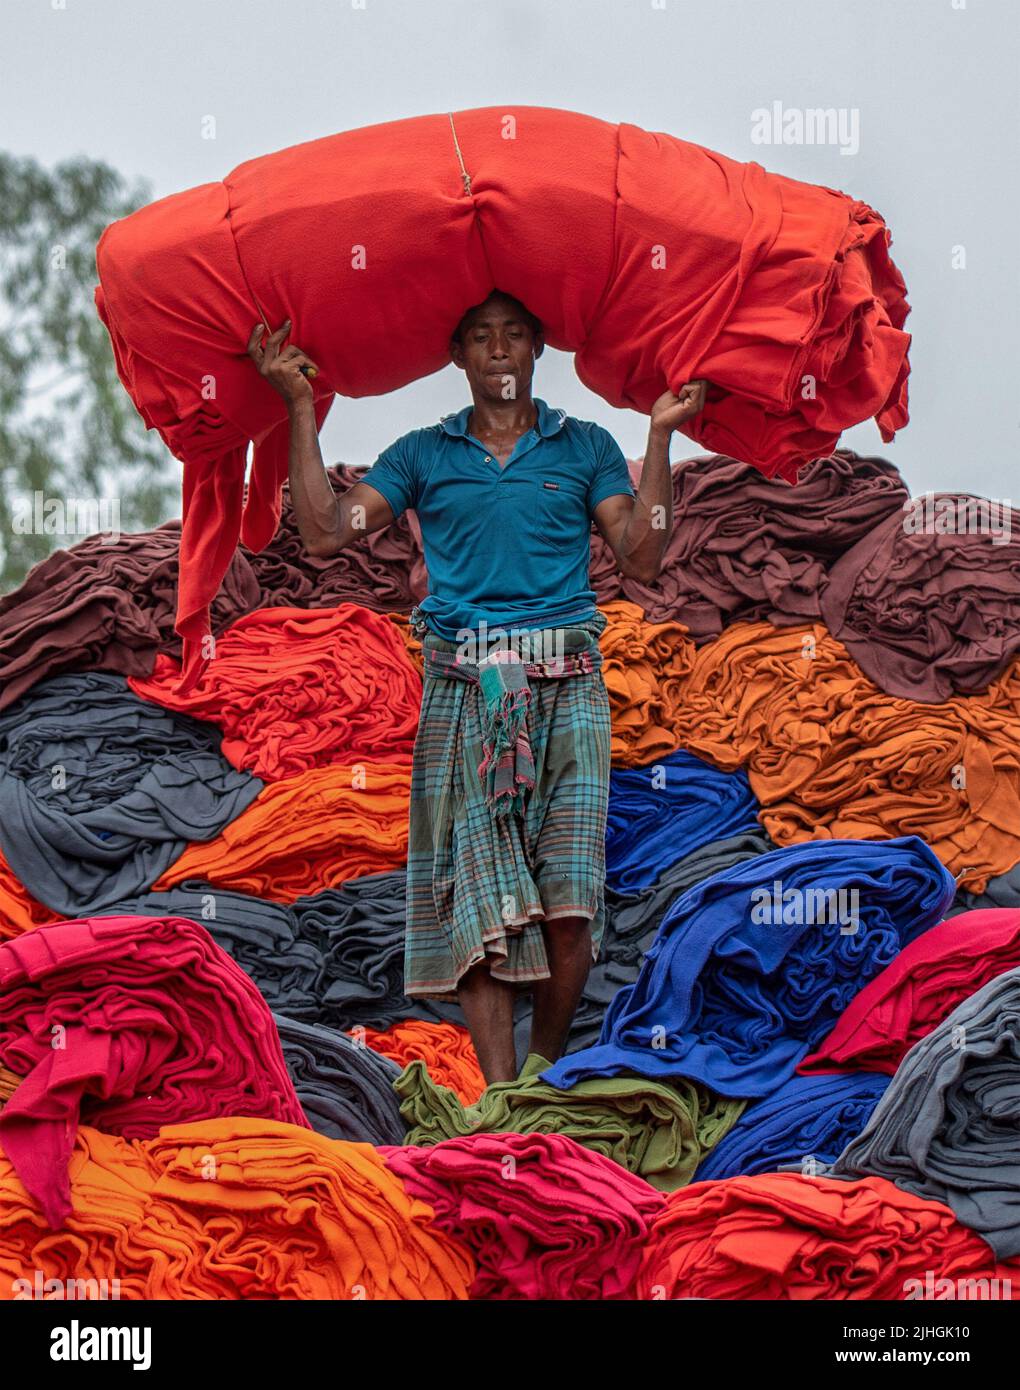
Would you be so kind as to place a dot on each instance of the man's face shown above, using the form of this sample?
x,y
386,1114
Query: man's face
x,y
497,351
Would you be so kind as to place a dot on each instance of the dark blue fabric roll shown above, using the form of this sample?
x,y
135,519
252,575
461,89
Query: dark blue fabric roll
x,y
808,1119
751,968
346,1090
664,812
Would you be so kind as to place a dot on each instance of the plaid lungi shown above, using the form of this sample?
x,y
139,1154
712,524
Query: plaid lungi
x,y
478,886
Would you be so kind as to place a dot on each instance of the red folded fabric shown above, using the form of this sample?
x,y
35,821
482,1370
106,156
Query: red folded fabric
x,y
445,1048
294,689
695,265
132,1022
921,987
787,1236
542,1216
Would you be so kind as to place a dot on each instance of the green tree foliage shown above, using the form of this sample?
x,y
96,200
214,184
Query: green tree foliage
x,y
68,429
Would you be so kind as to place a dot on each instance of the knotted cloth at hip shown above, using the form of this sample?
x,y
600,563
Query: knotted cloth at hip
x,y
504,671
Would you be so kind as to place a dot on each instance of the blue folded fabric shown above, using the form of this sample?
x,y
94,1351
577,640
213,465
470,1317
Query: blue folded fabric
x,y
808,1119
661,813
752,967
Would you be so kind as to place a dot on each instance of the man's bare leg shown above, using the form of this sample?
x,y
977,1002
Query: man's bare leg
x,y
568,948
488,1006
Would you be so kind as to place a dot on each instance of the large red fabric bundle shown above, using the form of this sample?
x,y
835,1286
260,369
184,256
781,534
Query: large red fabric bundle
x,y
134,1022
921,987
654,260
294,689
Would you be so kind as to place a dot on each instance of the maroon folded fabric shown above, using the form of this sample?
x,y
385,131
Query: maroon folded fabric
x,y
542,1216
105,607
931,613
920,988
749,547
384,571
128,1023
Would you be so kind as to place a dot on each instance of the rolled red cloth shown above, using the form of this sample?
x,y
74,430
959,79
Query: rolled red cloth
x,y
919,989
694,266
133,1023
294,689
788,1236
542,1216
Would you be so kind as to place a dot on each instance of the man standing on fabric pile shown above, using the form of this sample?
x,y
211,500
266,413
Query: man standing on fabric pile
x,y
510,781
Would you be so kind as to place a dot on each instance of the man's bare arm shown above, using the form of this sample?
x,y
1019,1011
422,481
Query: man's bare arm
x,y
327,523
638,528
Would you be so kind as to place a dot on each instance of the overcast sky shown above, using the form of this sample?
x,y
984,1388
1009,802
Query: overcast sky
x,y
933,83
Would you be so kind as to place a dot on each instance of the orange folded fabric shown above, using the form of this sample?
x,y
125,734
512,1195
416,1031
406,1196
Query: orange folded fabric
x,y
97,1252
9,1081
293,689
306,833
830,756
231,1209
644,667
411,643
787,1236
19,911
273,1211
445,1048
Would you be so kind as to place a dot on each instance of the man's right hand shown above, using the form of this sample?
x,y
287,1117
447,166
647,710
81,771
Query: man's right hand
x,y
282,369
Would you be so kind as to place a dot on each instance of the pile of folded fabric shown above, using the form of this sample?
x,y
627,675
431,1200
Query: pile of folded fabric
x,y
797,1051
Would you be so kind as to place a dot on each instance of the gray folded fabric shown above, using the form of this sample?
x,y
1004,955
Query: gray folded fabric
x,y
346,1089
1001,891
101,791
948,1127
334,958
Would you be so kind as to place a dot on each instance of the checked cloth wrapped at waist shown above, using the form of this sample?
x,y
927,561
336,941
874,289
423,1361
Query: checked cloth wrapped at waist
x,y
504,674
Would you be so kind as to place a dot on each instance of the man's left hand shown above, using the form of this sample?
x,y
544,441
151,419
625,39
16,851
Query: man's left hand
x,y
671,410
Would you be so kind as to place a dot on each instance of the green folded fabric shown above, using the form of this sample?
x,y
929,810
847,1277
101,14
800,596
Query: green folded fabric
x,y
657,1130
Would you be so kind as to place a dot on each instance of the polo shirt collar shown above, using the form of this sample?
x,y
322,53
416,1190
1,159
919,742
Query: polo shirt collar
x,y
549,421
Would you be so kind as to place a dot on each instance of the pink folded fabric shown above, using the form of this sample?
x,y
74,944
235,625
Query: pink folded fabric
x,y
542,1216
130,1023
921,987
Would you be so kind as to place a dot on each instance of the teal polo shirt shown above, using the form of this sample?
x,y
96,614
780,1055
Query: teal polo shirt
x,y
508,546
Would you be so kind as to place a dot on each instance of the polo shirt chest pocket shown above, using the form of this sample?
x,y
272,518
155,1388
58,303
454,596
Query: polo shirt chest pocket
x,y
558,516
